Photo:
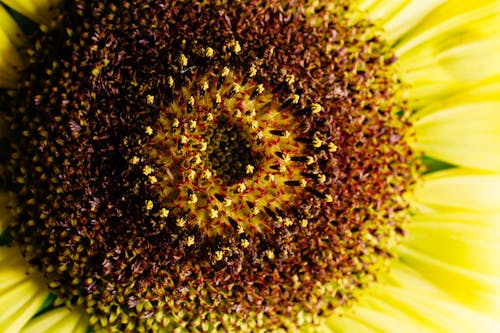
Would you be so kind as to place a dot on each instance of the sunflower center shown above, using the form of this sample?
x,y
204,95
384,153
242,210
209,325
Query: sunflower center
x,y
230,152
208,172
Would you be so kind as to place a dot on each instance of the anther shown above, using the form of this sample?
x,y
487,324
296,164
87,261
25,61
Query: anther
x,y
209,52
183,60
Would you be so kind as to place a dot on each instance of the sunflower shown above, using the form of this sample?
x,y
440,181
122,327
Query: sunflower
x,y
250,166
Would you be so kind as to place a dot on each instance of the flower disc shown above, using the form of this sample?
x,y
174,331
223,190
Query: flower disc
x,y
208,166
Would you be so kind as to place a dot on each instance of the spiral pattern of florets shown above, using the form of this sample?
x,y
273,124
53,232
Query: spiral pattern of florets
x,y
208,166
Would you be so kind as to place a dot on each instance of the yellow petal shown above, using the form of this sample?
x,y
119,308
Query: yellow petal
x,y
405,301
456,52
457,253
475,290
460,189
10,60
21,295
409,16
36,10
10,27
60,320
464,129
451,17
397,17
347,324
467,244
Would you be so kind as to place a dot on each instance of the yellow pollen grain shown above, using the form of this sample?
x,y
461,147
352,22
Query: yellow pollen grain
x,y
183,60
218,98
135,160
282,168
304,223
332,147
303,182
260,135
241,187
317,142
310,160
180,222
175,123
204,86
227,202
236,47
260,89
193,199
236,88
240,229
252,114
209,52
321,178
192,125
253,71
287,222
149,130
150,99
203,146
207,174
255,125
295,98
249,169
213,213
190,241
210,116
197,160
237,114
225,71
191,175
328,198
219,255
164,213
170,81
149,205
270,177
147,170
96,71
255,210
245,243
184,139
316,108
153,179
290,79
270,254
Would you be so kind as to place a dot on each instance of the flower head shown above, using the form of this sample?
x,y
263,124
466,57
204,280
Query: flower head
x,y
209,166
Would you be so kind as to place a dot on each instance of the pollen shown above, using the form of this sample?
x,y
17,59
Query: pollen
x,y
183,60
316,108
249,169
332,147
213,213
150,99
190,241
209,52
164,213
317,142
147,170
